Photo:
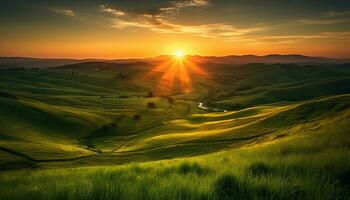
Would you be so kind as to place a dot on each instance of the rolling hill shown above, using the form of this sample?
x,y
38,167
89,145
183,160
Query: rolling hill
x,y
25,62
95,114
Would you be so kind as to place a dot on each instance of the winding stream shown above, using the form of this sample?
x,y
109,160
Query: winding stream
x,y
202,106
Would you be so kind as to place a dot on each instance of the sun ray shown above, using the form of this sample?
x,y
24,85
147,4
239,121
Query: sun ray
x,y
195,68
175,74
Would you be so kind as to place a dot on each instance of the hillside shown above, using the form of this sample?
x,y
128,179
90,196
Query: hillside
x,y
264,131
272,58
76,112
308,161
24,62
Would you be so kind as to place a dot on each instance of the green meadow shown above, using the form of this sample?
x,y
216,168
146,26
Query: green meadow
x,y
256,131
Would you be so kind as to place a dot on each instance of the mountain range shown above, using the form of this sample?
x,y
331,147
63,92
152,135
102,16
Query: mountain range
x,y
24,62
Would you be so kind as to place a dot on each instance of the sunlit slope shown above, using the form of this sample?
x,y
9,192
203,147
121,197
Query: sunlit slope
x,y
196,134
285,94
259,84
103,116
312,164
241,127
45,131
52,115
41,131
61,83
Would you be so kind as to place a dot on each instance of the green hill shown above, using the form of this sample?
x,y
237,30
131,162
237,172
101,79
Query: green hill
x,y
84,115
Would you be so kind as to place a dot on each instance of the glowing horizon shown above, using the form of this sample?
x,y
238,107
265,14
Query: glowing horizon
x,y
175,72
87,29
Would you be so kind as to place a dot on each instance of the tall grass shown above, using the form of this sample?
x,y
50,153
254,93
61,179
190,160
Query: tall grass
x,y
311,165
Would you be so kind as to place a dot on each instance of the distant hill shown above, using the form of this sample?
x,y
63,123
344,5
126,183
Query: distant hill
x,y
273,58
107,65
23,62
246,59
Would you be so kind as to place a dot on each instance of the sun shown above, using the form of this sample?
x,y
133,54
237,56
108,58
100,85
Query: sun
x,y
179,54
176,74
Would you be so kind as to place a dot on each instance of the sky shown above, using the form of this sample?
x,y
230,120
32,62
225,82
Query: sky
x,y
146,28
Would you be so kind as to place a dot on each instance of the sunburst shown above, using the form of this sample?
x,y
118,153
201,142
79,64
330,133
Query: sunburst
x,y
176,74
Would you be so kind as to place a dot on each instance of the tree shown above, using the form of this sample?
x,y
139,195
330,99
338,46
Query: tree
x,y
171,100
151,105
150,94
137,117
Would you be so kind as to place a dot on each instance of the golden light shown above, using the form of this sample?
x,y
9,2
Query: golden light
x,y
175,74
179,54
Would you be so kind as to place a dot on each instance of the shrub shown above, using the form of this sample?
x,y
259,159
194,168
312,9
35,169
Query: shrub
x,y
228,187
259,169
150,94
137,117
171,100
186,168
151,105
114,124
104,128
120,75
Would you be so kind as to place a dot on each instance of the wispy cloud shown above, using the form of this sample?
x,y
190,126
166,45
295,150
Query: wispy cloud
x,y
107,9
160,20
156,19
324,21
177,5
171,8
330,17
333,13
293,38
66,12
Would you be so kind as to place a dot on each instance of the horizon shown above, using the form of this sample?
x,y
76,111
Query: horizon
x,y
171,55
121,30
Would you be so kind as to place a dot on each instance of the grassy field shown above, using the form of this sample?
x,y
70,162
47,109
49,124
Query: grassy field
x,y
124,133
312,164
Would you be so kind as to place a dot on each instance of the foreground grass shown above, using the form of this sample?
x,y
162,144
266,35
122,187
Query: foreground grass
x,y
310,165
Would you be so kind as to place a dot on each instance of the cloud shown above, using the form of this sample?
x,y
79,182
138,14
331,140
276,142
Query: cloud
x,y
333,13
324,21
330,17
321,35
177,5
293,39
159,20
171,8
205,30
107,9
66,12
156,19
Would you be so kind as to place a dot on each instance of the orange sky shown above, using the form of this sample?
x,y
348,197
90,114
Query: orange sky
x,y
198,27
